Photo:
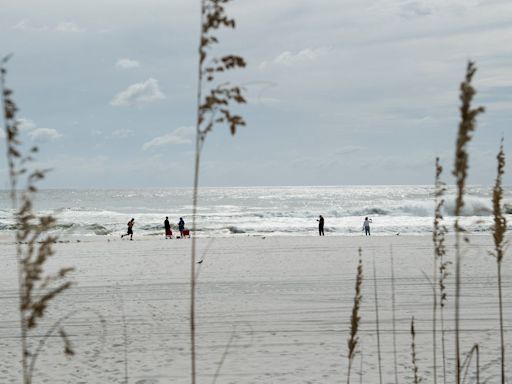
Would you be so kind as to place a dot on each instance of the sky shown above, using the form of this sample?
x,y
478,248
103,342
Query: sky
x,y
340,92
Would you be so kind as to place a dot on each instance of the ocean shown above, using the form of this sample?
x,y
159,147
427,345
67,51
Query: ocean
x,y
259,211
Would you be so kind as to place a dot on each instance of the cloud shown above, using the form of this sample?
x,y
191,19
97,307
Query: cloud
x,y
127,63
25,124
25,25
122,133
44,134
68,27
62,27
35,133
139,93
182,135
288,58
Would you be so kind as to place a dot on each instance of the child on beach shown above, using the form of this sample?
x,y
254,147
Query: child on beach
x,y
366,226
167,226
130,229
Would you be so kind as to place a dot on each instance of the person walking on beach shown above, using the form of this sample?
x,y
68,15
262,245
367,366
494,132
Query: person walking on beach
x,y
181,227
167,226
321,226
130,229
366,226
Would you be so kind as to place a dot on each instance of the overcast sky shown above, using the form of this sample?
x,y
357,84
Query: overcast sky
x,y
340,91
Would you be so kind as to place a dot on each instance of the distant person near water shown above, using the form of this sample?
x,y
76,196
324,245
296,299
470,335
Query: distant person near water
x,y
167,226
366,226
321,225
130,229
181,227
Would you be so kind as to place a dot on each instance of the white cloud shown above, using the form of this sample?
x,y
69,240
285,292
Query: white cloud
x,y
35,133
68,27
182,135
127,63
2,133
25,25
44,134
139,93
122,133
288,58
63,27
25,124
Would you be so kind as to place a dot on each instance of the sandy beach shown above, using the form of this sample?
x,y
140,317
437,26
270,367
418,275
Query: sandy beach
x,y
274,310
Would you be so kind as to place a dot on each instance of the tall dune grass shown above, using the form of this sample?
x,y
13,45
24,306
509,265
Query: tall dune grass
x,y
438,236
355,318
416,376
500,227
34,245
213,108
467,126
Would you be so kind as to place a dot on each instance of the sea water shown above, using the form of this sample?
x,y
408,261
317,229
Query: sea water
x,y
258,211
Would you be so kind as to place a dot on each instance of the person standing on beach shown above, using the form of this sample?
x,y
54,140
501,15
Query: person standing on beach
x,y
130,229
321,226
181,227
366,226
167,226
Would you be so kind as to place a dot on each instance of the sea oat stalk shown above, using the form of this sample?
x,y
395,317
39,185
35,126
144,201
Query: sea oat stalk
x,y
34,246
466,127
500,227
438,237
417,379
355,318
213,108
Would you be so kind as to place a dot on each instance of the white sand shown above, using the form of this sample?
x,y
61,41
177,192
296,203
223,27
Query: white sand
x,y
284,302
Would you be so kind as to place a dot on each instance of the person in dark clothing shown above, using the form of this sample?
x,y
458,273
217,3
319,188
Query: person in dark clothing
x,y
167,226
181,227
366,226
321,226
130,229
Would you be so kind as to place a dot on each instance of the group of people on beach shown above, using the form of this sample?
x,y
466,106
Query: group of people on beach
x,y
167,226
181,228
184,232
321,221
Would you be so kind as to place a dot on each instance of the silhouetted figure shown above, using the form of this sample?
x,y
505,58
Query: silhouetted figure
x,y
167,226
366,226
321,226
181,227
130,229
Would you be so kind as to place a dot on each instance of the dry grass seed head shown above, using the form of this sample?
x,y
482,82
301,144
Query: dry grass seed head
x,y
500,222
466,127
